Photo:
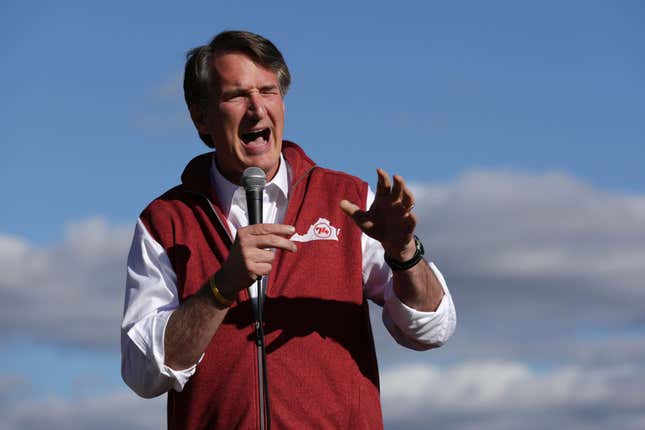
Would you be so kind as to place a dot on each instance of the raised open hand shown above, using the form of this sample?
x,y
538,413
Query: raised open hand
x,y
390,219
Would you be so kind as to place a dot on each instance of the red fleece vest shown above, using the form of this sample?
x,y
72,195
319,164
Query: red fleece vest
x,y
321,362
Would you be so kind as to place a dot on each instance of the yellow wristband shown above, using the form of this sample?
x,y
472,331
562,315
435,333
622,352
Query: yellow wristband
x,y
219,298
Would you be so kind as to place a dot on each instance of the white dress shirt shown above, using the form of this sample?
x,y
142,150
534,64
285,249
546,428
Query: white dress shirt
x,y
151,292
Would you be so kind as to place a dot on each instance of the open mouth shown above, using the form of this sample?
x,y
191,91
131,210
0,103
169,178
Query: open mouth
x,y
257,137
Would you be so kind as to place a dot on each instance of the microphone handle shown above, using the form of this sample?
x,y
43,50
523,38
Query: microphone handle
x,y
254,205
254,209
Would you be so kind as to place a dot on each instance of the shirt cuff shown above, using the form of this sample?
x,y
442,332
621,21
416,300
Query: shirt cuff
x,y
417,329
152,346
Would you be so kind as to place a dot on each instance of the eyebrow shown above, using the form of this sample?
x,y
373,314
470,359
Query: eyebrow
x,y
242,91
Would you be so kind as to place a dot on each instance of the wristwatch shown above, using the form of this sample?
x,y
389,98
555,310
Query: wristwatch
x,y
405,265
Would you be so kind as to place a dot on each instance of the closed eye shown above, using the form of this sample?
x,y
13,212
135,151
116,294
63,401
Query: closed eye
x,y
271,89
231,95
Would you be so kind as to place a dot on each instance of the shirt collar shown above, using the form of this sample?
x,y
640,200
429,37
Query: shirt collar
x,y
226,191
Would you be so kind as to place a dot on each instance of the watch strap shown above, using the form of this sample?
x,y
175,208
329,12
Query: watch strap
x,y
405,265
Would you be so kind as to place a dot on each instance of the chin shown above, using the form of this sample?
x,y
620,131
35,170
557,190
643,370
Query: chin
x,y
267,160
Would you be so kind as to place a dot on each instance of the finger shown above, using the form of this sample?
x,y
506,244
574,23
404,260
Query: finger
x,y
262,256
260,269
383,185
348,207
360,217
272,241
261,229
397,188
407,201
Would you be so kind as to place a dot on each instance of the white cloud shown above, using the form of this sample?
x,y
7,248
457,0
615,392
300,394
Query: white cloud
x,y
532,226
72,292
13,389
493,395
526,256
541,267
499,395
544,270
119,410
545,242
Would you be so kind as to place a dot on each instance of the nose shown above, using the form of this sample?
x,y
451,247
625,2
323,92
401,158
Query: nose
x,y
256,108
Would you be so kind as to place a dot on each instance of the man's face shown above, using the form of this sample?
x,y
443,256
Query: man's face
x,y
245,116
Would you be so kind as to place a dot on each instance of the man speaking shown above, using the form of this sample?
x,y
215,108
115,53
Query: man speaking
x,y
324,245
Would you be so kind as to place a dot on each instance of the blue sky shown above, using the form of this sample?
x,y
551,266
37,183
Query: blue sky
x,y
93,89
527,113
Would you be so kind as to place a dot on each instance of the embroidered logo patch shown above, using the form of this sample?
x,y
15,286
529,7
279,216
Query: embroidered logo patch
x,y
320,230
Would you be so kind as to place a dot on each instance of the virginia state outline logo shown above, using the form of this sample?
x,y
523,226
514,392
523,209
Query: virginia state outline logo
x,y
320,230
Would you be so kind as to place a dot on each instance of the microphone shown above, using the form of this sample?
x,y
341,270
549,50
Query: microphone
x,y
253,180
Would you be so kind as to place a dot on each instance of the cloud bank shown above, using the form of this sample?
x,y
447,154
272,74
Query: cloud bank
x,y
483,395
119,410
510,395
546,273
72,292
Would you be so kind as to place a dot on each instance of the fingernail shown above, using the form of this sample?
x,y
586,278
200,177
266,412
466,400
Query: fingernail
x,y
292,229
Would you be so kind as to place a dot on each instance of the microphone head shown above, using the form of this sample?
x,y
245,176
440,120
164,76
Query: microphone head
x,y
253,178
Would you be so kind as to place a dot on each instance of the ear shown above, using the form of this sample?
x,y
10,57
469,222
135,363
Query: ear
x,y
197,114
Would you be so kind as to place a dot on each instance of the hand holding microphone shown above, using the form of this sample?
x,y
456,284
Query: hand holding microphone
x,y
249,257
